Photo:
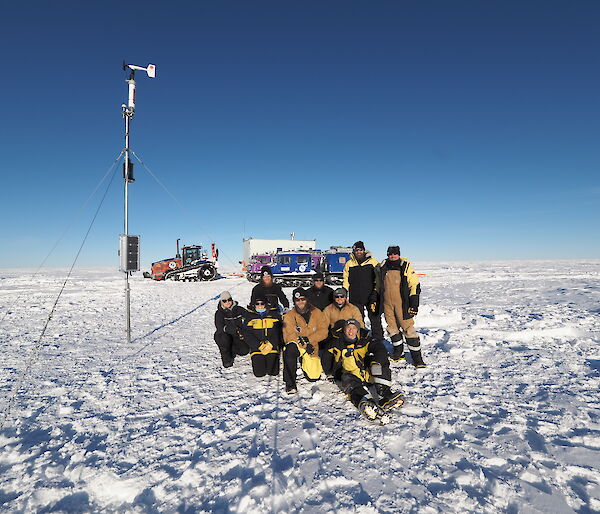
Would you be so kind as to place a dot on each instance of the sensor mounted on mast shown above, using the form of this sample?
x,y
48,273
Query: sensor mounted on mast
x,y
129,109
130,245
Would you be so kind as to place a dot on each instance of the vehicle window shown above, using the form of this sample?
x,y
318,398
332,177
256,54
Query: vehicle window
x,y
284,259
302,259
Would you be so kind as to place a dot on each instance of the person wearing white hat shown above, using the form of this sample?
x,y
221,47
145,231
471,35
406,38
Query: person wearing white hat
x,y
229,320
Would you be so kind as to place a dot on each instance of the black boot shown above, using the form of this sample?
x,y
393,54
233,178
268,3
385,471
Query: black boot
x,y
398,351
387,397
370,410
414,345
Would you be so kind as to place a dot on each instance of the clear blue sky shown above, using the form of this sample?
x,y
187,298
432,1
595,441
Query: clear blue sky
x,y
458,130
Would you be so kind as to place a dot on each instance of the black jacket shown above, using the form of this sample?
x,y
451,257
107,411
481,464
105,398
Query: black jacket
x,y
259,328
273,294
319,298
361,280
230,321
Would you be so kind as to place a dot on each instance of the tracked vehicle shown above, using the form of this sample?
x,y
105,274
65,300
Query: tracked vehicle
x,y
191,265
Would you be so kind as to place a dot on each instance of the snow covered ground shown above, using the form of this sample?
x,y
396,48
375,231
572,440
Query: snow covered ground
x,y
506,418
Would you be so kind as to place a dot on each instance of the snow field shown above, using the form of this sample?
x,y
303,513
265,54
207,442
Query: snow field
x,y
504,419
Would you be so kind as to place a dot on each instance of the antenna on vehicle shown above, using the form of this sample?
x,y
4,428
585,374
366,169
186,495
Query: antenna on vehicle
x,y
129,247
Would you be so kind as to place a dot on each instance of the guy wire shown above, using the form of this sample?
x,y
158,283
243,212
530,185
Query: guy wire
x,y
37,346
75,217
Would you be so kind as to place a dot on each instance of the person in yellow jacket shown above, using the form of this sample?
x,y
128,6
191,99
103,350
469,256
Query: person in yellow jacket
x,y
304,328
361,361
400,292
262,333
361,280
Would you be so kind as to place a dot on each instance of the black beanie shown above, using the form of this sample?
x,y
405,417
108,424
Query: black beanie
x,y
260,298
395,250
266,270
298,293
318,275
359,245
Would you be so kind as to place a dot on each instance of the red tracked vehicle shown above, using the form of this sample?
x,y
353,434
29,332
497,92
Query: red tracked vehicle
x,y
192,264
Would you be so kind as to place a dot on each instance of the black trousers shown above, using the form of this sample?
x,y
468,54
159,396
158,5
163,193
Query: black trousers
x,y
376,327
229,347
353,386
265,364
326,356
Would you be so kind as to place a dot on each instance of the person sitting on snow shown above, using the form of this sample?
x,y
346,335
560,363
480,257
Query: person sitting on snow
x,y
304,327
229,320
262,332
361,361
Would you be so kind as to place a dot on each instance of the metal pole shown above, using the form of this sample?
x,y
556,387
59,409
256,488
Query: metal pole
x,y
128,115
126,227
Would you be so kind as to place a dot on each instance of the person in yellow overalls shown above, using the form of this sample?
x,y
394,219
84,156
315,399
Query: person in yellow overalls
x,y
399,293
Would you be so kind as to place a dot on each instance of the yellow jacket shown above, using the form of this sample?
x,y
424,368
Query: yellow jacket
x,y
360,280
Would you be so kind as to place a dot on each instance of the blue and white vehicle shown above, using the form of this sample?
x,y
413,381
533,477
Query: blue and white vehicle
x,y
294,269
333,262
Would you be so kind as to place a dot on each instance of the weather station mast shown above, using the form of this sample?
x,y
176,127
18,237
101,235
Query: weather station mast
x,y
129,246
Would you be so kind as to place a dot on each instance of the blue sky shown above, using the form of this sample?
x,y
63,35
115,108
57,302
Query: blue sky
x,y
461,130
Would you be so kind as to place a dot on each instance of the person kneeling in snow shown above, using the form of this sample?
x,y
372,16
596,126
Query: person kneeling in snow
x,y
361,361
229,320
304,327
262,332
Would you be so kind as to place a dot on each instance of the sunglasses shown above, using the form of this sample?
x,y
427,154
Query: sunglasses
x,y
259,303
227,300
339,296
300,299
317,280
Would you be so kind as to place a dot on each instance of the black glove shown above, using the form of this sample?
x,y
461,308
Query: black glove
x,y
413,304
303,340
373,297
310,349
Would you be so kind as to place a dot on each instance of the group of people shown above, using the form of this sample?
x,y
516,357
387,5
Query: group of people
x,y
324,331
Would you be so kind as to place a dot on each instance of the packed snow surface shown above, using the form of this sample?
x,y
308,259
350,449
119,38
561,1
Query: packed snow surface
x,y
505,418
